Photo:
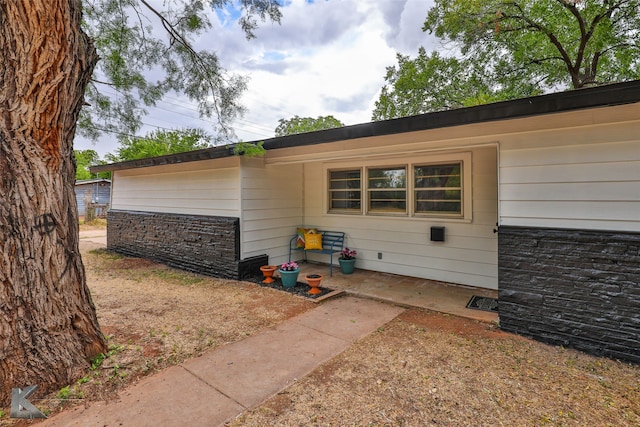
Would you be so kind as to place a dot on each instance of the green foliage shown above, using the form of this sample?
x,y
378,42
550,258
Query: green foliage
x,y
97,361
431,82
84,159
297,125
552,43
510,49
160,143
64,393
248,149
130,46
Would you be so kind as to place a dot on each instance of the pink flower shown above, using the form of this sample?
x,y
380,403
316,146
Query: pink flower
x,y
347,253
289,266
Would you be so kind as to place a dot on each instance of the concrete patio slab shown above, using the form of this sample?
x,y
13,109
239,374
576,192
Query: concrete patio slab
x,y
407,291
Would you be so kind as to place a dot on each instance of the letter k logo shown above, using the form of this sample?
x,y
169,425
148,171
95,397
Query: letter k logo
x,y
21,407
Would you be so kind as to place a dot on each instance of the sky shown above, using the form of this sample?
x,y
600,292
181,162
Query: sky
x,y
327,57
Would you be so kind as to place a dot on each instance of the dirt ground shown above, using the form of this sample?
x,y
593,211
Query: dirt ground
x,y
421,369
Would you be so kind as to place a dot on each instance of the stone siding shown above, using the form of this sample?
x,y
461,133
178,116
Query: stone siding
x,y
202,244
574,288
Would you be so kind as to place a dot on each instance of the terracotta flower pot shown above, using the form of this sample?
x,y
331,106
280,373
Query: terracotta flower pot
x,y
268,271
314,281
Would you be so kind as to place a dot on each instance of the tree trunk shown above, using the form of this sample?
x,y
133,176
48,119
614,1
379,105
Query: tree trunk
x,y
48,325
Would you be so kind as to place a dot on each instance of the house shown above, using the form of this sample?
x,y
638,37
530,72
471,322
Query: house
x,y
94,191
538,198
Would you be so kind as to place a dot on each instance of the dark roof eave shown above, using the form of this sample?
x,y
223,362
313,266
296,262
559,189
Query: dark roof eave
x,y
170,159
600,96
91,181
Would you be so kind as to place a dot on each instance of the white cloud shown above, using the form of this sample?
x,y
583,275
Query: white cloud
x,y
326,58
331,64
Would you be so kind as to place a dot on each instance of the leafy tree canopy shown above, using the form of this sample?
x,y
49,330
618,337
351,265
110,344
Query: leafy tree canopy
x,y
136,39
432,82
510,49
297,124
160,143
84,159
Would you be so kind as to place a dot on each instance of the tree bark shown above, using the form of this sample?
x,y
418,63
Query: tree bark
x,y
48,325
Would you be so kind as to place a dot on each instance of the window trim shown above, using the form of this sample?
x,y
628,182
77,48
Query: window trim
x,y
367,191
329,191
463,157
415,189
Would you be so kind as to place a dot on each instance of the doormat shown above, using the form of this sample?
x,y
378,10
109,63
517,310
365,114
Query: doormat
x,y
483,303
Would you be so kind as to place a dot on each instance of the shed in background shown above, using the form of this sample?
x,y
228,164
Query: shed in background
x,y
95,191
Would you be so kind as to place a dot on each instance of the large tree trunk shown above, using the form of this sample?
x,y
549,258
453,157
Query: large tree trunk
x,y
48,324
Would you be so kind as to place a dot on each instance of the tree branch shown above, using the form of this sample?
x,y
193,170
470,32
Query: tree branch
x,y
175,36
550,35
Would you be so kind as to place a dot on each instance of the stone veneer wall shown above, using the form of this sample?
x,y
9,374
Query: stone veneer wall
x,y
574,288
202,244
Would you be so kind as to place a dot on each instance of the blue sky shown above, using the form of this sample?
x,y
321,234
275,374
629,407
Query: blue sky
x,y
325,58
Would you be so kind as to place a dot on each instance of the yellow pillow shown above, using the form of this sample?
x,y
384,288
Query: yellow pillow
x,y
312,241
301,232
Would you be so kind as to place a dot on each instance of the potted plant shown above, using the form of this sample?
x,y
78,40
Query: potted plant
x,y
289,274
347,260
314,281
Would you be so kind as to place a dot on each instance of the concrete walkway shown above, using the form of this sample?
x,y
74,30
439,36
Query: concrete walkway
x,y
225,382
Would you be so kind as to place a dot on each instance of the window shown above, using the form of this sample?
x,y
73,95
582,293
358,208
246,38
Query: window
x,y
387,190
428,186
438,189
345,193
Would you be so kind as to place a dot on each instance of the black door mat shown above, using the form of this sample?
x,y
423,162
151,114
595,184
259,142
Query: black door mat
x,y
483,303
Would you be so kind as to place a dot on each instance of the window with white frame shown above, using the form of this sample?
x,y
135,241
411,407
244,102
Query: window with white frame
x,y
433,186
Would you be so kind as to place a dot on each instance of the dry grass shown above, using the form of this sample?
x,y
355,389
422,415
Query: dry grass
x,y
427,369
96,224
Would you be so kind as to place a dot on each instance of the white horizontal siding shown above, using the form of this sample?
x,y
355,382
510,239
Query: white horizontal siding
x,y
576,210
622,170
575,191
469,254
586,179
271,208
214,191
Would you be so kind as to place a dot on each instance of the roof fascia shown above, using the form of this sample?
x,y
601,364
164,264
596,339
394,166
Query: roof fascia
x,y
599,96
